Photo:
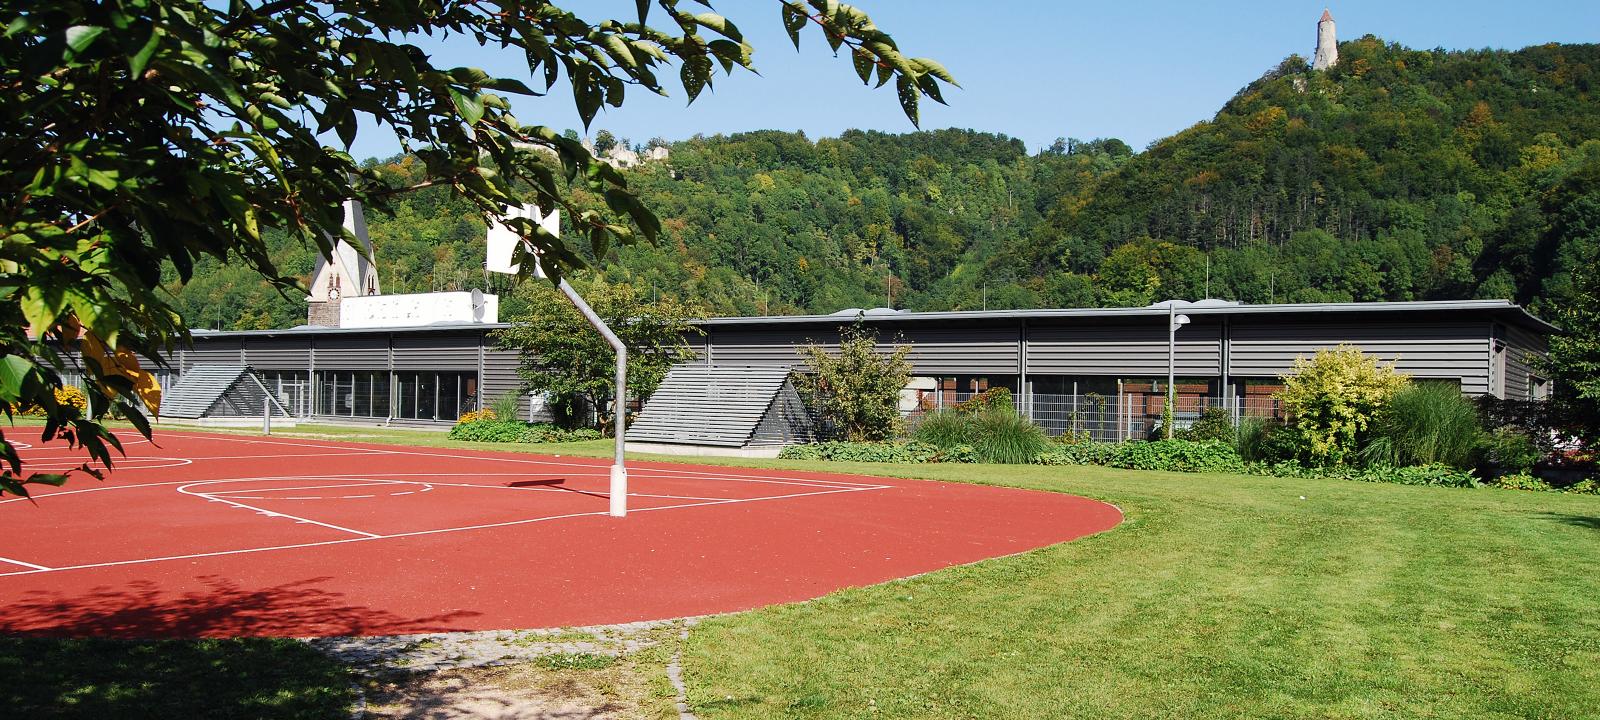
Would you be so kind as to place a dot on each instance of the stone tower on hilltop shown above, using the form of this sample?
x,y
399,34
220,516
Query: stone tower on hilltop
x,y
1327,45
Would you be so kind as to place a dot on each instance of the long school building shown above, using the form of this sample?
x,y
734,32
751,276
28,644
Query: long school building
x,y
1104,367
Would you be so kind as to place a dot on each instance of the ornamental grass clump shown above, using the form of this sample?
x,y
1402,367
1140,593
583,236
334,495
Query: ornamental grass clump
x,y
1333,399
1424,424
994,433
1000,435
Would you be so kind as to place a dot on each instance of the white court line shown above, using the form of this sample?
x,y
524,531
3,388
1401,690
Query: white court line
x,y
126,463
25,564
373,481
269,513
418,533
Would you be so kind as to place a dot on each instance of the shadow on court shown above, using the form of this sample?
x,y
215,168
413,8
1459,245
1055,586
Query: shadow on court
x,y
141,609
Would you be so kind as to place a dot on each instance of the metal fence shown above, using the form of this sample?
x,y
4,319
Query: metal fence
x,y
1111,417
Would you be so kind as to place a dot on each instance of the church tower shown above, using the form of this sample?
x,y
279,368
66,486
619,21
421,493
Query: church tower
x,y
348,273
1327,46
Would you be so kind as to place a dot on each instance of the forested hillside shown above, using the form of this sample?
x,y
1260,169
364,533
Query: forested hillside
x,y
1398,175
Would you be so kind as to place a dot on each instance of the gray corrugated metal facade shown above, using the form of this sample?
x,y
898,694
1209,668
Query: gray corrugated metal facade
x,y
1488,347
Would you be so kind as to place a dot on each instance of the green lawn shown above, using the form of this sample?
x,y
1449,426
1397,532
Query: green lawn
x,y
1221,596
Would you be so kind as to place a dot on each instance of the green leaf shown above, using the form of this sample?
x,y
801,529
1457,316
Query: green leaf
x,y
695,73
79,38
138,61
469,106
14,371
906,88
793,20
864,64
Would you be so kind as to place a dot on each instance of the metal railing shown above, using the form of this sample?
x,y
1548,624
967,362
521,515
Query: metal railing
x,y
1110,417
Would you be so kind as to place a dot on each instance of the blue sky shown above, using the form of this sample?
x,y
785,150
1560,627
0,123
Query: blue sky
x,y
1034,70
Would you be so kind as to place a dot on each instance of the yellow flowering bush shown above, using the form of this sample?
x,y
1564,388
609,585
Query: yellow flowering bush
x,y
1332,399
65,395
475,415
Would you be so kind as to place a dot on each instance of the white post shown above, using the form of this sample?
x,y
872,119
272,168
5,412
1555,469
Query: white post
x,y
1172,365
1170,410
619,469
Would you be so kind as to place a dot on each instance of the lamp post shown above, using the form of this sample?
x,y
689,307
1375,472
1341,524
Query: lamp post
x,y
1174,321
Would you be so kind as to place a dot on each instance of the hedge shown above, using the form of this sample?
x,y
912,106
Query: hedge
x,y
516,431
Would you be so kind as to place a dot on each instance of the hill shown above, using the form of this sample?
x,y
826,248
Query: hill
x,y
1399,174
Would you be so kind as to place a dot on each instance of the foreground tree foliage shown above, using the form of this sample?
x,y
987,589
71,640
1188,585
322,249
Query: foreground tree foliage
x,y
141,136
573,366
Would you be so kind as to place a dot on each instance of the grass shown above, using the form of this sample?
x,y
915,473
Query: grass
x,y
1221,596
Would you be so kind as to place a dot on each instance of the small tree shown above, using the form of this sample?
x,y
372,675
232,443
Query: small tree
x,y
859,388
1332,398
566,359
1574,363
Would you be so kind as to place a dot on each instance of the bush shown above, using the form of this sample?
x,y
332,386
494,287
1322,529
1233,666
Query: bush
x,y
1424,424
1003,436
515,431
504,431
1439,475
879,452
1214,423
997,398
476,415
1521,481
1508,449
506,406
996,434
945,428
1250,439
1587,486
1177,456
69,395
1167,455
1333,398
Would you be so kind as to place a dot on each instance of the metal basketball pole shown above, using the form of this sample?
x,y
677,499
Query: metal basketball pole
x,y
619,469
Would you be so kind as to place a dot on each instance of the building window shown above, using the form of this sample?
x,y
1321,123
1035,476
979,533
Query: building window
x,y
435,396
292,388
353,393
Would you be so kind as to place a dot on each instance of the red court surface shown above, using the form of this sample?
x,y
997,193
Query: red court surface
x,y
218,535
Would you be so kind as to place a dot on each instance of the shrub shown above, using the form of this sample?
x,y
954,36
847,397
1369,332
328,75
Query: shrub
x,y
476,415
1084,453
69,395
1177,456
504,431
1521,481
857,389
996,434
1250,439
506,406
879,452
1587,486
1423,424
1333,398
1439,475
996,398
945,428
1000,435
1214,423
1508,449
957,454
515,431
